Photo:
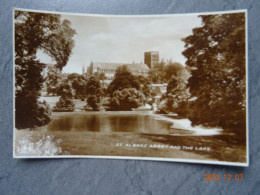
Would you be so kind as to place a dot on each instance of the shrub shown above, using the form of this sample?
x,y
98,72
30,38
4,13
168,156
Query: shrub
x,y
93,102
126,99
65,104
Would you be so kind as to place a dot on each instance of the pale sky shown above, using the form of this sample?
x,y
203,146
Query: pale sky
x,y
125,39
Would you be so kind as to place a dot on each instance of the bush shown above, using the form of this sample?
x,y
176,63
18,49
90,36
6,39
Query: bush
x,y
31,113
65,89
44,112
123,79
126,99
93,102
65,104
177,97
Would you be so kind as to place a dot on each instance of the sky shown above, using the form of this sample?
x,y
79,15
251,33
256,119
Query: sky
x,y
125,39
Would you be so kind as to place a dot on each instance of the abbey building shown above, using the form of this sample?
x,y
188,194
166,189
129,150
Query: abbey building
x,y
109,68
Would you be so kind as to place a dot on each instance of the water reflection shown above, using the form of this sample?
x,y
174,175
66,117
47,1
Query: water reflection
x,y
110,123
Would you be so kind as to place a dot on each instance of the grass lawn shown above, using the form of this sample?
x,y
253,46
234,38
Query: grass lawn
x,y
51,101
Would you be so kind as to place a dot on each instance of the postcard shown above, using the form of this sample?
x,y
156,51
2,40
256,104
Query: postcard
x,y
148,87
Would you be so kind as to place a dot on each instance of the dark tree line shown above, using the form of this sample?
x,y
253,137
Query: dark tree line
x,y
123,79
215,54
34,31
125,90
165,71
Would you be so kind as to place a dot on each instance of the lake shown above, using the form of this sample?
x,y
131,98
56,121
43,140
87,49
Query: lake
x,y
97,133
110,123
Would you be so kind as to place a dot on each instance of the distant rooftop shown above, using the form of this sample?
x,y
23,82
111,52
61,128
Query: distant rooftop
x,y
151,52
110,66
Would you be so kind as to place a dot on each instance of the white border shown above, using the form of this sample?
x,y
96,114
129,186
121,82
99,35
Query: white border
x,y
247,95
132,16
135,157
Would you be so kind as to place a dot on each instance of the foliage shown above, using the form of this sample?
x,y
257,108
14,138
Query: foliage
x,y
78,83
173,84
65,104
34,31
144,85
65,89
142,79
94,92
160,66
32,113
215,54
166,71
156,76
100,76
123,79
173,69
93,102
126,99
53,80
93,87
177,97
146,90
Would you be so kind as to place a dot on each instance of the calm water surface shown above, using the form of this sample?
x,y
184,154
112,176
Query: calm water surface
x,y
110,123
222,145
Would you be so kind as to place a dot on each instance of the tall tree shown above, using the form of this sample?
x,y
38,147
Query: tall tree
x,y
215,54
126,99
164,72
65,103
177,96
156,76
173,69
123,79
94,92
78,83
53,80
144,85
34,31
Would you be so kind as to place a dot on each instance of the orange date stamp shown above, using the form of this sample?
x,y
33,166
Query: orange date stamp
x,y
226,177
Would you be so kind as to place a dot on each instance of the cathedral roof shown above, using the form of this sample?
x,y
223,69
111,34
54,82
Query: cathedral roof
x,y
113,66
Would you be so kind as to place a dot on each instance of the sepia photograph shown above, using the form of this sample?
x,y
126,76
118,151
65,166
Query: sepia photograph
x,y
150,87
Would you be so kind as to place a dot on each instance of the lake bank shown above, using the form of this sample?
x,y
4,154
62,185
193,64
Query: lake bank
x,y
44,142
93,143
178,127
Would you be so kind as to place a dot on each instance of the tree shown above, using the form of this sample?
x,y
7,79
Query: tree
x,y
65,103
100,76
145,87
65,89
215,53
142,79
34,31
173,69
163,72
156,76
160,66
123,79
126,99
53,80
78,83
94,93
93,87
93,101
177,96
